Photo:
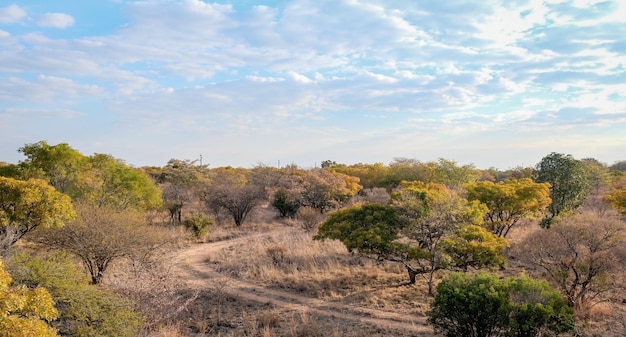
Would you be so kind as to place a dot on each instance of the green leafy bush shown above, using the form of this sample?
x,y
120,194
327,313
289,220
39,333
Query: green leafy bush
x,y
198,225
483,305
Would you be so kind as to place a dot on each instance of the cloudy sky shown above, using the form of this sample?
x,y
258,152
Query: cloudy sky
x,y
489,83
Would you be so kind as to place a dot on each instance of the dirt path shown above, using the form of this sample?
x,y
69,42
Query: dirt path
x,y
193,266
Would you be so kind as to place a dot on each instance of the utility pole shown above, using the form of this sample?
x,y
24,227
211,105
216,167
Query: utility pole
x,y
200,160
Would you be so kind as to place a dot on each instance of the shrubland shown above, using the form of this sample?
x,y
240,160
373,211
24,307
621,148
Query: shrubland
x,y
541,244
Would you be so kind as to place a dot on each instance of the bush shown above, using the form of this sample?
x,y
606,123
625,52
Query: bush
x,y
483,305
85,310
198,225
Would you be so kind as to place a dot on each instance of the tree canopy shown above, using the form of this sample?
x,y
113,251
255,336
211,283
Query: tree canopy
x,y
568,183
509,202
28,205
426,228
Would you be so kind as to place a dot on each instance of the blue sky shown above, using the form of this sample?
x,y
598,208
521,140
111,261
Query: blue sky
x,y
489,83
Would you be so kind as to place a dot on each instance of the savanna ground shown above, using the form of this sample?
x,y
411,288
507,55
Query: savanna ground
x,y
269,278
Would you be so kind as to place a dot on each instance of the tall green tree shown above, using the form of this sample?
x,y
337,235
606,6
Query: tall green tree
x,y
569,185
28,205
60,165
509,202
483,305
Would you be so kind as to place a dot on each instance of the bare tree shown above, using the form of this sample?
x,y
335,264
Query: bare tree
x,y
101,235
580,254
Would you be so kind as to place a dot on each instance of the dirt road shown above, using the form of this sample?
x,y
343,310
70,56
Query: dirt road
x,y
192,265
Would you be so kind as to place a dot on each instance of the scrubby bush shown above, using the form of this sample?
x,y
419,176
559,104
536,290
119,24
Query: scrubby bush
x,y
484,305
85,310
198,225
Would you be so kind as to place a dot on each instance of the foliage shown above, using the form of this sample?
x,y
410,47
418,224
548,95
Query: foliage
x,y
198,225
99,178
427,228
101,235
28,205
113,183
580,254
179,181
286,204
84,310
483,305
473,246
568,179
617,199
509,202
24,311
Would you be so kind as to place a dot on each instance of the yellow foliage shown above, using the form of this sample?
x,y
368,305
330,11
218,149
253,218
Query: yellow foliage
x,y
23,311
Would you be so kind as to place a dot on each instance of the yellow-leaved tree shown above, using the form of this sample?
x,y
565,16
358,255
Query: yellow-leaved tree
x,y
24,311
26,205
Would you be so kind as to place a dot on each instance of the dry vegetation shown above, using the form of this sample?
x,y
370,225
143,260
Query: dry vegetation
x,y
272,279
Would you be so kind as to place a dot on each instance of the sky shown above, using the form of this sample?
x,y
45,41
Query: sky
x,y
241,83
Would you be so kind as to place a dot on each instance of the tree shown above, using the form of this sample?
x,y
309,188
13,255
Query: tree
x,y
231,191
28,205
569,185
60,165
437,217
510,202
427,229
180,182
84,309
113,183
580,254
286,204
484,305
101,235
325,190
24,311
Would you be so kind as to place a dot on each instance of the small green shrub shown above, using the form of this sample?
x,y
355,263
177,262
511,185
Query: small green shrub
x,y
198,225
483,305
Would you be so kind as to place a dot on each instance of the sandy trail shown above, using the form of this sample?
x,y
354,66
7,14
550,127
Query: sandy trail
x,y
192,265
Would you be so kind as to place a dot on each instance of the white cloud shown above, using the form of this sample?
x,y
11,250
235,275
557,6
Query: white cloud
x,y
55,20
12,14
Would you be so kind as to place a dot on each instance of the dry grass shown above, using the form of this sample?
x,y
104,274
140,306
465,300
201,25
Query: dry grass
x,y
289,260
293,261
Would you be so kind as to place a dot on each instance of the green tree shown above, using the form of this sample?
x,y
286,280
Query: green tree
x,y
286,204
509,202
568,179
28,205
484,305
84,309
60,165
24,311
113,183
426,229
